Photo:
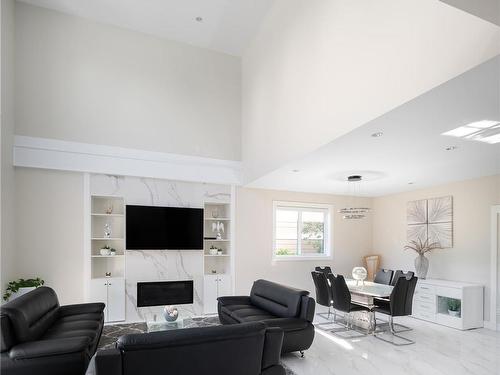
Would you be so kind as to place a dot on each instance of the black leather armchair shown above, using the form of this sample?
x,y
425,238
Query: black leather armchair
x,y
244,349
39,336
277,306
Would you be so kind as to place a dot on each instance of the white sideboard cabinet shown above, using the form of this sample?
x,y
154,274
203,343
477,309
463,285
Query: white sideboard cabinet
x,y
111,291
433,298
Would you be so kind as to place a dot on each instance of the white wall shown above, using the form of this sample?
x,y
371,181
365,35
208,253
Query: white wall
x,y
254,237
469,259
7,135
49,229
79,80
318,69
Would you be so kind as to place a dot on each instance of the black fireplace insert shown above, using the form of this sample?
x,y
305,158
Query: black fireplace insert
x,y
159,293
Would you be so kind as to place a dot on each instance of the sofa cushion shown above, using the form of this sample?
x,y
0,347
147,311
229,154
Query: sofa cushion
x,y
44,348
81,324
287,324
90,334
32,313
230,308
279,300
89,329
246,313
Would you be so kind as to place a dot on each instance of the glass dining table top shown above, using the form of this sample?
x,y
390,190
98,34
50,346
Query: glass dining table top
x,y
368,288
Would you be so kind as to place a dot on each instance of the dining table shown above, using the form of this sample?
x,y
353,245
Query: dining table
x,y
365,293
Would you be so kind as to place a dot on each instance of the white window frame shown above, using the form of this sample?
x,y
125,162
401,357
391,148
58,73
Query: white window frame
x,y
327,234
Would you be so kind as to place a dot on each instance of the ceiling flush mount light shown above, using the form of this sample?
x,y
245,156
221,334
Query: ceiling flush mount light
x,y
354,212
377,135
487,131
451,148
199,19
295,170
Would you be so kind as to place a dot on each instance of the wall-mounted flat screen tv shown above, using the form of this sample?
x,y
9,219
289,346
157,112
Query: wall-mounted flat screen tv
x,y
164,228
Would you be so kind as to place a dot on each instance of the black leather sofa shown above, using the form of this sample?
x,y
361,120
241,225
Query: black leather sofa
x,y
245,349
40,337
277,306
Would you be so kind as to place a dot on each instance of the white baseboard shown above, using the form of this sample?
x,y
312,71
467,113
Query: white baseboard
x,y
47,153
491,325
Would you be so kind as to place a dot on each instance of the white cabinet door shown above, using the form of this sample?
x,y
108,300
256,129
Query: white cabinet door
x,y
210,294
116,299
99,293
224,285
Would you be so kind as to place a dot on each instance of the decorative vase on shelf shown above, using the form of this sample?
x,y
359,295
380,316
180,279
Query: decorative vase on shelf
x,y
107,230
421,266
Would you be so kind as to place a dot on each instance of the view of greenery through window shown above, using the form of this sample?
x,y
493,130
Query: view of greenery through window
x,y
299,231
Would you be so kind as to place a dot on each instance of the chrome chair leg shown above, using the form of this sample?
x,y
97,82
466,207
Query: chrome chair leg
x,y
327,314
347,327
395,325
406,341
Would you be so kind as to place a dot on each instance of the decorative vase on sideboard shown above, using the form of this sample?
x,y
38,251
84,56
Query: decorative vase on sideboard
x,y
421,266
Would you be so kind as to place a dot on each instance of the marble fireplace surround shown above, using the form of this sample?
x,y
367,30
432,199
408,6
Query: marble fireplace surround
x,y
161,265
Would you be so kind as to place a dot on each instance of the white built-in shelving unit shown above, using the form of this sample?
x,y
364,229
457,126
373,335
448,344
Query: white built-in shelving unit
x,y
217,267
107,272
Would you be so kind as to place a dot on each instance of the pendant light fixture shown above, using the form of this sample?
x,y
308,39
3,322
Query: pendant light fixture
x,y
354,212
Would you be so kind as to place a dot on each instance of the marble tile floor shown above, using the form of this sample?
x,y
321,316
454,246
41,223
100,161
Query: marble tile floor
x,y
438,351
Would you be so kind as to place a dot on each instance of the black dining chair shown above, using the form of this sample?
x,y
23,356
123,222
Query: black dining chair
x,y
323,292
399,274
400,304
383,276
326,269
398,328
341,301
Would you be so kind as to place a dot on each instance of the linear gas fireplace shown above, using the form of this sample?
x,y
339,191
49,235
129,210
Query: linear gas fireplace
x,y
159,293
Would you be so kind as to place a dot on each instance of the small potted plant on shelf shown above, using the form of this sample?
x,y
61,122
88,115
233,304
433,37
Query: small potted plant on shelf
x,y
107,250
19,287
213,250
454,306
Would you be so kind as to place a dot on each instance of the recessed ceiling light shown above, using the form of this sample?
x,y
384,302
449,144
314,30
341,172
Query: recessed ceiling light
x,y
295,170
451,148
199,19
410,183
377,134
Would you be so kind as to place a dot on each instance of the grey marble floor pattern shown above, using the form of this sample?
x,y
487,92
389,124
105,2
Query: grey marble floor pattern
x,y
438,350
111,333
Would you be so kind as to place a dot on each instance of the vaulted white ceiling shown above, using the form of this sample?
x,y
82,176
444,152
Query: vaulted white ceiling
x,y
317,70
227,25
412,152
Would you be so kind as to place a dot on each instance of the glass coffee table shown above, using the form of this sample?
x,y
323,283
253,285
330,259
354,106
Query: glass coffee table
x,y
187,322
163,325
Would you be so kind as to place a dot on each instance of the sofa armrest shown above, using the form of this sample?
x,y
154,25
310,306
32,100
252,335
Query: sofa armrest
x,y
44,348
307,307
81,308
234,300
106,362
272,347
